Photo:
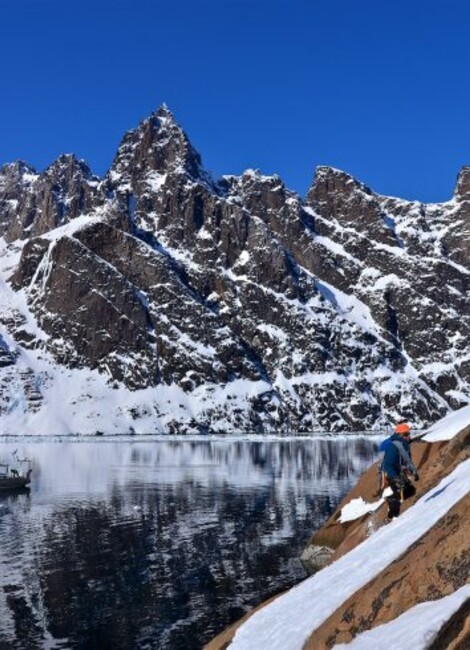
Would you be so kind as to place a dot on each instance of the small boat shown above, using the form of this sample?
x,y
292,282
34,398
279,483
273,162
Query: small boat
x,y
15,477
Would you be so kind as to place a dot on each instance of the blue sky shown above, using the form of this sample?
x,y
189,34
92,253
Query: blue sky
x,y
378,88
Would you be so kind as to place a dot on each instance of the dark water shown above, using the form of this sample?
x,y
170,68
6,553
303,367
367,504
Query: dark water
x,y
159,544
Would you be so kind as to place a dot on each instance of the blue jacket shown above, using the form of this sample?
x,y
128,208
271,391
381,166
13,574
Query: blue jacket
x,y
397,457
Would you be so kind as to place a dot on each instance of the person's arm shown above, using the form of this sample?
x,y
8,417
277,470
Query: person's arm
x,y
406,458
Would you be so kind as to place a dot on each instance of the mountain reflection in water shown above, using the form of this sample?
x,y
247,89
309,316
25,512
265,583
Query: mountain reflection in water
x,y
160,544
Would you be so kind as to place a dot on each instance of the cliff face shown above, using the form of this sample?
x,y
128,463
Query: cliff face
x,y
430,562
343,311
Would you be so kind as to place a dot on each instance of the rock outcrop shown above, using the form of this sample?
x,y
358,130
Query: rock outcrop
x,y
32,204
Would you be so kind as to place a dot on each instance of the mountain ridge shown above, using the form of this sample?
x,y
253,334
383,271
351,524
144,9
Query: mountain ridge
x,y
343,311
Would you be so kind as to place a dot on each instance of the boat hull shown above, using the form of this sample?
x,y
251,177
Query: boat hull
x,y
13,482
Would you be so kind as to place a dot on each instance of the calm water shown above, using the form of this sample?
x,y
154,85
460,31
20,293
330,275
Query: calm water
x,y
159,544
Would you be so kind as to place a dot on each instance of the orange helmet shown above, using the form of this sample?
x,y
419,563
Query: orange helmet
x,y
402,429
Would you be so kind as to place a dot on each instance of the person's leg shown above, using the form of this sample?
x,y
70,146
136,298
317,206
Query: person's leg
x,y
393,501
409,490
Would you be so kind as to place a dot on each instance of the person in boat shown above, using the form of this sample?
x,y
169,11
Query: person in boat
x,y
398,467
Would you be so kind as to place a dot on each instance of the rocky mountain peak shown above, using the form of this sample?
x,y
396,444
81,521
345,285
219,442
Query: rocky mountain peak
x,y
16,182
67,174
68,163
254,177
32,203
14,176
329,180
157,146
261,195
252,180
462,188
163,113
338,197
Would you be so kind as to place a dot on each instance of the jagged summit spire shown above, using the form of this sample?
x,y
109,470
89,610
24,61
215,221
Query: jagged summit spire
x,y
67,164
323,172
462,187
329,180
18,168
65,159
163,117
164,111
158,144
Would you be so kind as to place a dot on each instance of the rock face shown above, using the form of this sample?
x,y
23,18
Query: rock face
x,y
343,311
32,204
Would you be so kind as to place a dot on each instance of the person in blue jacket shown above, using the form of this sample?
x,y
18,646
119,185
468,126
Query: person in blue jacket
x,y
397,467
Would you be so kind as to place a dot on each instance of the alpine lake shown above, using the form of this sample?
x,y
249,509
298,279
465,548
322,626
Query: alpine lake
x,y
159,543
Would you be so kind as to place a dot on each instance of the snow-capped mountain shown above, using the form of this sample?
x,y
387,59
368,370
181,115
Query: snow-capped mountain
x,y
157,298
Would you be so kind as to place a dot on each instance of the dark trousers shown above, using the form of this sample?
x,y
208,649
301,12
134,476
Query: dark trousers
x,y
401,489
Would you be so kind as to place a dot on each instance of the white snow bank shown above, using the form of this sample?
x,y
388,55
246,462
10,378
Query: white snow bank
x,y
415,629
287,622
357,508
449,426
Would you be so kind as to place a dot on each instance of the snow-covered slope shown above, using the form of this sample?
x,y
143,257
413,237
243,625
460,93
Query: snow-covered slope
x,y
322,609
185,303
416,628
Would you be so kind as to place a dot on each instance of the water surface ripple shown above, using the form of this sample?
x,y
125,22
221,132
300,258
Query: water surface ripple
x,y
159,544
